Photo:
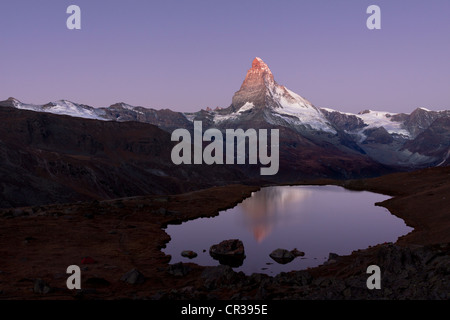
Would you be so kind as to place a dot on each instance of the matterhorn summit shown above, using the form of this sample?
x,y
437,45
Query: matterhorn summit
x,y
261,93
258,81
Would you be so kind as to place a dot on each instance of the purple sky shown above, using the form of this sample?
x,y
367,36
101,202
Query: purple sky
x,y
187,55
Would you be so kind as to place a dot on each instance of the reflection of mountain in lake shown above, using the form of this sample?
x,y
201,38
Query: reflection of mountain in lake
x,y
316,220
261,209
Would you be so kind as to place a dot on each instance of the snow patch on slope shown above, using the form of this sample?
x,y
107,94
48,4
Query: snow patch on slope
x,y
445,159
299,110
376,119
64,107
246,107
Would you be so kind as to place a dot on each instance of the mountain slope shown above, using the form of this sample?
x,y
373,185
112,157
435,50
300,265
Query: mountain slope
x,y
47,158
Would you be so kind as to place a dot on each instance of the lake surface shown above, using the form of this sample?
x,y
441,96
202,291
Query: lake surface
x,y
314,219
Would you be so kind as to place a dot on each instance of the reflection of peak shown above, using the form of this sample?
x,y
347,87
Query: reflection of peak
x,y
260,232
260,211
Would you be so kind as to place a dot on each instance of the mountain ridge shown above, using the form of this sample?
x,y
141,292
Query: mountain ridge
x,y
388,138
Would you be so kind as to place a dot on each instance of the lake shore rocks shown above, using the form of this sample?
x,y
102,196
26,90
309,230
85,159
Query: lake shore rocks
x,y
407,273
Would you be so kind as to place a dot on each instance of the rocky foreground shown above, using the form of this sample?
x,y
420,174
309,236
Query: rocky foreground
x,y
117,244
421,273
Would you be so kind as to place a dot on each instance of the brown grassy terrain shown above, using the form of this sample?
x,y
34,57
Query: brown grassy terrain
x,y
122,234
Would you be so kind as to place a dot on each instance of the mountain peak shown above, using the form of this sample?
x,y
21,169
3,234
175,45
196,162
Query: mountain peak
x,y
259,64
257,81
260,92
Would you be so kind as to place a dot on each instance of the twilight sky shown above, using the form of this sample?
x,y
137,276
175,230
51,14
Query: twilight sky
x,y
187,55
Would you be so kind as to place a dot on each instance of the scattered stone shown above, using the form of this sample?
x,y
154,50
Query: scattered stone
x,y
189,254
282,256
228,252
236,296
133,277
178,269
41,287
221,275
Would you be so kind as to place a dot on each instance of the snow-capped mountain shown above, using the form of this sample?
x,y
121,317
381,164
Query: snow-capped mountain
x,y
62,107
418,139
280,106
165,119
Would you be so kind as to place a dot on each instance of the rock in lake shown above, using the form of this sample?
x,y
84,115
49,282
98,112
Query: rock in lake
x,y
297,253
282,256
229,252
189,254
